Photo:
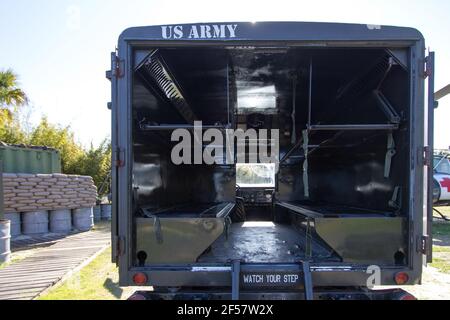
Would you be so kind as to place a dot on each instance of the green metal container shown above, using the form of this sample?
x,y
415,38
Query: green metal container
x,y
2,212
18,159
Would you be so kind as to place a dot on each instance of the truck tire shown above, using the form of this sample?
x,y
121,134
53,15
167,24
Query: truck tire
x,y
239,214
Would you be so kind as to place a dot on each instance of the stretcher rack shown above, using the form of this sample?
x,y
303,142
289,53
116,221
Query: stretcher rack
x,y
359,85
314,210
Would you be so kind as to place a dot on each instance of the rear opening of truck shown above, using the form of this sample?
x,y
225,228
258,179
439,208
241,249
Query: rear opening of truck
x,y
344,194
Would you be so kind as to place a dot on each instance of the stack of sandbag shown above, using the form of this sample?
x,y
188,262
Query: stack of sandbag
x,y
32,192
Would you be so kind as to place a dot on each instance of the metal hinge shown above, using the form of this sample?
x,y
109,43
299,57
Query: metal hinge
x,y
426,156
423,244
428,69
120,245
119,157
391,152
118,68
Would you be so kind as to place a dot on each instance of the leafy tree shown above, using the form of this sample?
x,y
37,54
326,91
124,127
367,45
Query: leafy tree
x,y
96,162
61,138
10,129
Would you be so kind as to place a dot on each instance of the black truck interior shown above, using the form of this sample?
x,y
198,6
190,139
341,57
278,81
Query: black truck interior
x,y
342,181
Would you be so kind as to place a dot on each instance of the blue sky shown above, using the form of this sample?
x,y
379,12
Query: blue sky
x,y
61,48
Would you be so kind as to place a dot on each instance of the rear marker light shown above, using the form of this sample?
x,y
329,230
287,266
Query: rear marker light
x,y
401,278
140,279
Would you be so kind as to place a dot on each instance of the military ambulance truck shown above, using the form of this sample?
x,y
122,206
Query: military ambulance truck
x,y
342,204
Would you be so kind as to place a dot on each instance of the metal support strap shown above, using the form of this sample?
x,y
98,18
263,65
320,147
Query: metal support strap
x,y
307,281
305,163
293,115
386,107
235,279
396,200
228,222
308,238
389,155
158,232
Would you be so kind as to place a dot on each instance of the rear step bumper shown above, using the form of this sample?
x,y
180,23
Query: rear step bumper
x,y
246,277
252,282
319,294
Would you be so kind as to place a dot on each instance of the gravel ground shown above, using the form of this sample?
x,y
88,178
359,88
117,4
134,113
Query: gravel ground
x,y
435,282
436,286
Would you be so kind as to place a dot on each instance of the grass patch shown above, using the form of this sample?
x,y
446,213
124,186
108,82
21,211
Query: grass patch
x,y
444,210
441,264
441,229
441,249
97,281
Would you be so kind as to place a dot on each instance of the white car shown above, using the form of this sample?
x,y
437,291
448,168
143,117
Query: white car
x,y
441,188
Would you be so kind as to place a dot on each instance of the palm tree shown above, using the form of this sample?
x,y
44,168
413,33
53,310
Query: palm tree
x,y
11,97
10,94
